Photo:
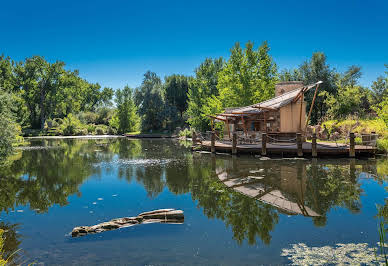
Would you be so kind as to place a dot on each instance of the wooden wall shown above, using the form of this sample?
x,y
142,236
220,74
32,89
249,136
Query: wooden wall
x,y
289,117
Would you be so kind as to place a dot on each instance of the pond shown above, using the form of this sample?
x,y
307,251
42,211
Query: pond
x,y
303,206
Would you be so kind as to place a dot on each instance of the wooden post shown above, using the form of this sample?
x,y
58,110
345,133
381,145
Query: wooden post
x,y
352,151
213,142
194,138
227,127
314,152
311,107
300,113
299,144
234,143
264,144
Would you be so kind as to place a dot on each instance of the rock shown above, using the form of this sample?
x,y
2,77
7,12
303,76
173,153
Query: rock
x,y
171,216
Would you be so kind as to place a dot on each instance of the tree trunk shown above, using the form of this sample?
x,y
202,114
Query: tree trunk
x,y
42,109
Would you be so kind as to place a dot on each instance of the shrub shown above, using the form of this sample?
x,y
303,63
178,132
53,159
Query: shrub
x,y
382,145
185,133
88,117
101,129
71,125
112,131
91,128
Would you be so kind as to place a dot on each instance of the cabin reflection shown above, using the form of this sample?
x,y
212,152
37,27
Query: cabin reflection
x,y
294,187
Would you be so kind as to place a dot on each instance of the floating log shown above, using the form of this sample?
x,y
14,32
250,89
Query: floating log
x,y
156,216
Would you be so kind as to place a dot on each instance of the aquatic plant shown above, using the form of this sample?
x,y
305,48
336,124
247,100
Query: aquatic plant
x,y
343,254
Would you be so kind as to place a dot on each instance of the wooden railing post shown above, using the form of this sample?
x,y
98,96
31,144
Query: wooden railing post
x,y
264,144
352,151
213,142
299,144
234,143
314,152
194,137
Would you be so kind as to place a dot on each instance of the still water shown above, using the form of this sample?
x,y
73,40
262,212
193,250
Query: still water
x,y
52,186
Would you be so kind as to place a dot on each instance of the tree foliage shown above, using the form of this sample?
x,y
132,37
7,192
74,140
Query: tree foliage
x,y
125,118
150,102
202,87
9,128
249,76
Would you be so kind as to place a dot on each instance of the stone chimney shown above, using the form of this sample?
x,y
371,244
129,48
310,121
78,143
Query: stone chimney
x,y
283,87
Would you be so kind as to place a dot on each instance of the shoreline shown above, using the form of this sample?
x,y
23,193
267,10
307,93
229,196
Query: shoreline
x,y
76,137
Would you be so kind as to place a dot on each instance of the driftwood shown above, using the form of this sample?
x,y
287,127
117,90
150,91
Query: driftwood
x,y
156,216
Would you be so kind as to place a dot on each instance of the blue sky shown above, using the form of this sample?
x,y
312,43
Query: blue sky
x,y
116,42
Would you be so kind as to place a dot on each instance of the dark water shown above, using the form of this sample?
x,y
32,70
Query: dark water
x,y
56,185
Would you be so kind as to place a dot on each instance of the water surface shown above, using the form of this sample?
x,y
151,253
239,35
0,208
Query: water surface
x,y
55,185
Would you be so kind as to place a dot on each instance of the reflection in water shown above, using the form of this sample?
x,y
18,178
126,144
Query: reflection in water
x,y
10,250
249,200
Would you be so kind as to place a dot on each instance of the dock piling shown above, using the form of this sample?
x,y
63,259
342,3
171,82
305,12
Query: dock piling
x,y
352,151
314,152
194,137
234,143
299,144
213,142
264,144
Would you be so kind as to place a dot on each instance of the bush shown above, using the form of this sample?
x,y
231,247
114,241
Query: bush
x,y
91,128
382,145
185,133
88,117
101,129
72,126
112,131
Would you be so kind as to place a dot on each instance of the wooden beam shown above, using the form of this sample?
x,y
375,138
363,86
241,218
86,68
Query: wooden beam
x,y
300,93
227,126
214,117
311,107
265,108
300,113
232,115
242,113
244,126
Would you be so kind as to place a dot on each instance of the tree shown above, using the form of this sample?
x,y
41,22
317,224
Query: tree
x,y
9,128
311,71
202,87
150,102
175,90
380,88
350,99
50,91
125,118
248,77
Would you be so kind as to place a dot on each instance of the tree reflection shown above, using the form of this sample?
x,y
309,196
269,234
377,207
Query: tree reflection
x,y
11,243
45,177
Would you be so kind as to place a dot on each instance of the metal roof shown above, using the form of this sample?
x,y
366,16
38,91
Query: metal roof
x,y
274,103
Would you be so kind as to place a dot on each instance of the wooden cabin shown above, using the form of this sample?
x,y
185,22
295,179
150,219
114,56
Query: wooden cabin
x,y
283,115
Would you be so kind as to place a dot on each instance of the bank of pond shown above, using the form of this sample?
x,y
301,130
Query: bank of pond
x,y
237,210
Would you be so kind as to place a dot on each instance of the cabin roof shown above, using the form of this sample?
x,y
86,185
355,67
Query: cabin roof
x,y
274,103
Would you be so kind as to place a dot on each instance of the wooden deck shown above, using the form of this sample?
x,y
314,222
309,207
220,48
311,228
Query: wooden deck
x,y
290,149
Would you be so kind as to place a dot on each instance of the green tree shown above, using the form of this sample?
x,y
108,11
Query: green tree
x,y
126,113
175,90
311,71
248,77
202,87
350,99
380,88
150,102
9,128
